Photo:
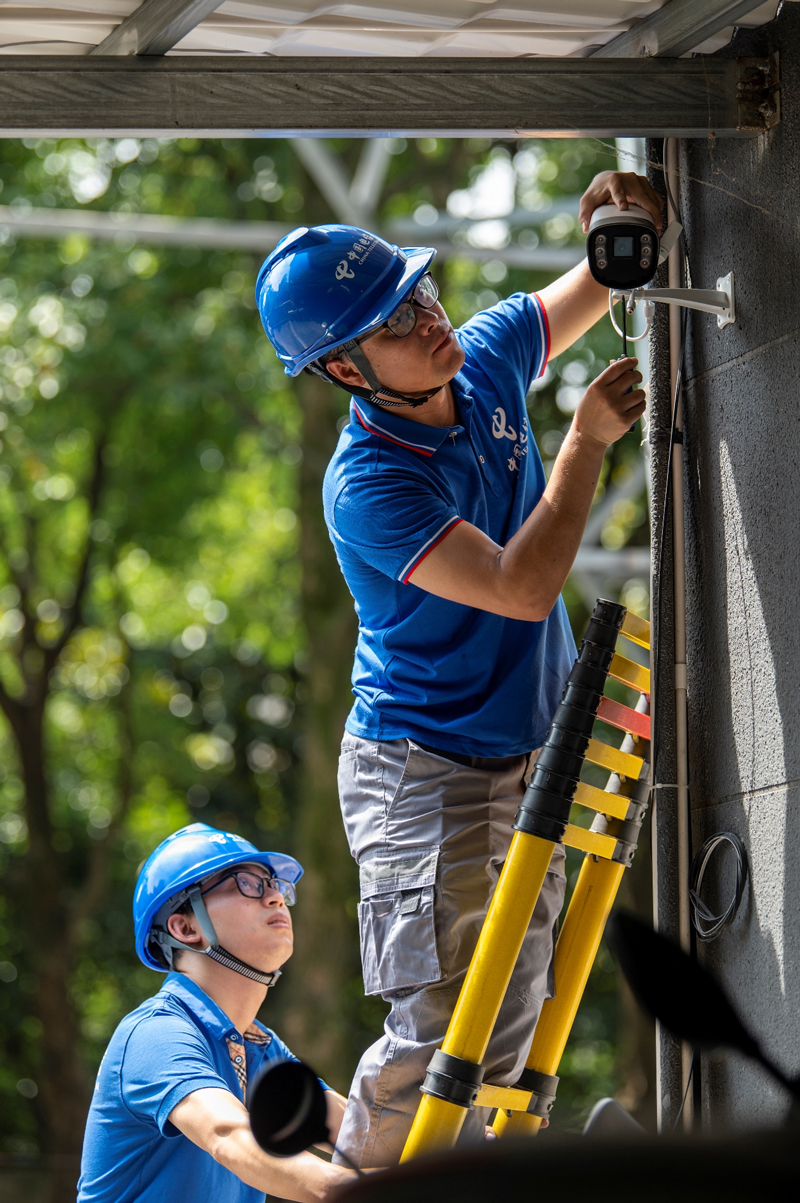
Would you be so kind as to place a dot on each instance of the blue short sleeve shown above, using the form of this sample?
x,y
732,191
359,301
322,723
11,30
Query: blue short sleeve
x,y
165,1059
392,520
511,336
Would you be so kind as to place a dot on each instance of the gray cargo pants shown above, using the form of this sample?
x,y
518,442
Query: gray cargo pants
x,y
430,837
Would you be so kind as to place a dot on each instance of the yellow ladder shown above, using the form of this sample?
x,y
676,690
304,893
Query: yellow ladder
x,y
454,1082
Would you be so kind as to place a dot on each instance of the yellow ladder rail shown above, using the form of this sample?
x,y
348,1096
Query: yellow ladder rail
x,y
636,629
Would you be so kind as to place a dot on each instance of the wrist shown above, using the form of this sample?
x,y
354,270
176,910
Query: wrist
x,y
584,441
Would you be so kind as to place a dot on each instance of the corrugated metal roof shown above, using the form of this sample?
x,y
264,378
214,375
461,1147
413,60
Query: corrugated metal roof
x,y
409,28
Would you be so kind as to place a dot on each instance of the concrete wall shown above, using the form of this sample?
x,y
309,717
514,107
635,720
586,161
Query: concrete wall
x,y
741,205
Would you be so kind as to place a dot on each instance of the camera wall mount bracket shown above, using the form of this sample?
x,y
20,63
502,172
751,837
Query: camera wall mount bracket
x,y
721,302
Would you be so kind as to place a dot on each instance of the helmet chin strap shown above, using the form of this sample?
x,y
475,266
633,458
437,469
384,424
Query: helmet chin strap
x,y
364,366
214,950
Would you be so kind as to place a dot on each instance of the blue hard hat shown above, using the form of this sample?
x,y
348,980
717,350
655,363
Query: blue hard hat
x,y
183,859
322,286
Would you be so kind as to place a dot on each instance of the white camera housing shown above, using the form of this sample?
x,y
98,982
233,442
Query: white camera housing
x,y
622,247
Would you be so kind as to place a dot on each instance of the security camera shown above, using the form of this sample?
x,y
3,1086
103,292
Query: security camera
x,y
622,246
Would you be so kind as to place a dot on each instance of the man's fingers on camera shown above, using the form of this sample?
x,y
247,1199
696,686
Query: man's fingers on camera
x,y
616,369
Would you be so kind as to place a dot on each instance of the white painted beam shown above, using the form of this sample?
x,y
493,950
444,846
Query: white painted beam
x,y
676,28
155,27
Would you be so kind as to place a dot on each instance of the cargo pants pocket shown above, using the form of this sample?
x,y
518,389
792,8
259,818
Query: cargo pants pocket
x,y
396,920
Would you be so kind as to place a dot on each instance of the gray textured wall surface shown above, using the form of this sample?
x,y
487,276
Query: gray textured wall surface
x,y
742,455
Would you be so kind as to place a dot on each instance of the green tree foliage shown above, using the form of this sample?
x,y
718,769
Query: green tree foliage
x,y
175,640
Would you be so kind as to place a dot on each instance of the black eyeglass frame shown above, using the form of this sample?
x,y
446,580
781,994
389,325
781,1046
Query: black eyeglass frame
x,y
408,304
284,888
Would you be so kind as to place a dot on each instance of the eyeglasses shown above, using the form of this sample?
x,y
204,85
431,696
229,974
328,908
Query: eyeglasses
x,y
251,885
425,294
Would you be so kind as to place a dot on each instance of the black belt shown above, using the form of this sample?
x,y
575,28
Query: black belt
x,y
490,763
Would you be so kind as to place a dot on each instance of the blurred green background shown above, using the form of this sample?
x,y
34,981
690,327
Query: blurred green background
x,y
175,638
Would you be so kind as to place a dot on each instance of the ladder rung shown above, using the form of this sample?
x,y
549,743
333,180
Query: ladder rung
x,y
636,629
589,841
617,715
616,805
506,1098
630,673
612,759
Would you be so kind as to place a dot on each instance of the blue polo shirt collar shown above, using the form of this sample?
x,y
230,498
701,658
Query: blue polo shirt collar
x,y
195,999
402,432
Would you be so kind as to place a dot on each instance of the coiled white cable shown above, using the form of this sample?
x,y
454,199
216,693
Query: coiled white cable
x,y
649,310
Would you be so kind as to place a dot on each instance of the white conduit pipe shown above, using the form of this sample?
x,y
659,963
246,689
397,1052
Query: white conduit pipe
x,y
679,612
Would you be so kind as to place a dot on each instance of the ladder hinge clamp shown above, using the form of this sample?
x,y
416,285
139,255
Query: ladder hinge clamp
x,y
453,1079
543,1089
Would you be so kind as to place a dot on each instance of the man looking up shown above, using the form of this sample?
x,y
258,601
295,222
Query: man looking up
x,y
456,549
168,1119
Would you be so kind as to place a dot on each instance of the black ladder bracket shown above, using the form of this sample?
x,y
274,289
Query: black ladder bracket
x,y
543,1089
453,1079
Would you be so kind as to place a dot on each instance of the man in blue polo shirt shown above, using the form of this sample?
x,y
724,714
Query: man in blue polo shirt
x,y
168,1120
455,548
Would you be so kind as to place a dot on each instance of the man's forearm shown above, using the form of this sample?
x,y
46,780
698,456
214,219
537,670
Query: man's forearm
x,y
523,579
573,304
304,1178
539,558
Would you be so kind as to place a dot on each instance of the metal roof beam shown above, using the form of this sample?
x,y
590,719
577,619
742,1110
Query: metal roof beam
x,y
327,171
259,237
155,27
676,28
62,95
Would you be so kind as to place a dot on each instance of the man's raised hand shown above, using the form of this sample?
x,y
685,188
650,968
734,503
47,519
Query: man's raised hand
x,y
620,188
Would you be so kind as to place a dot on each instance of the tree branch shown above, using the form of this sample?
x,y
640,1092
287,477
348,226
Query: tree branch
x,y
95,883
10,707
74,617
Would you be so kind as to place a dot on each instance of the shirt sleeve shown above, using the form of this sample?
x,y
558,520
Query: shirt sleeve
x,y
392,521
165,1059
514,334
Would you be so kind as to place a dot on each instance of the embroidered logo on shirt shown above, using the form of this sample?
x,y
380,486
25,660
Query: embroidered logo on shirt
x,y
501,430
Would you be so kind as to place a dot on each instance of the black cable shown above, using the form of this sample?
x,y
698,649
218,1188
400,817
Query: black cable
x,y
659,566
685,1093
702,914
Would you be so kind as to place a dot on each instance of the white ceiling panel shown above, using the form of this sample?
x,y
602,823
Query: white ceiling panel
x,y
425,28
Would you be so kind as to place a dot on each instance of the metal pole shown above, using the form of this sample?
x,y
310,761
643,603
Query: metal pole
x,y
679,585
